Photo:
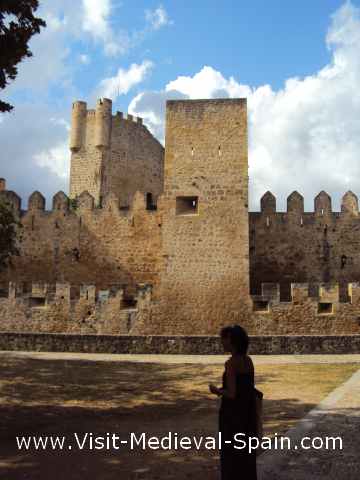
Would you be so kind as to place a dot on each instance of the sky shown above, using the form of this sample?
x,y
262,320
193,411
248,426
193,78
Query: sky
x,y
297,63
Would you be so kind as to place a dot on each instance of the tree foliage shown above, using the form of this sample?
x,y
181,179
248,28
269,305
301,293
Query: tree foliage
x,y
17,25
9,225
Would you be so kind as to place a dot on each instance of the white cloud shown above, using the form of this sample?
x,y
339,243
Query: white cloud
x,y
124,80
208,83
35,154
96,22
96,13
50,51
151,107
56,159
37,157
305,136
158,18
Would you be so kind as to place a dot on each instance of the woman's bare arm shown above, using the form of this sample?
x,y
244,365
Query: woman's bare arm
x,y
230,390
230,372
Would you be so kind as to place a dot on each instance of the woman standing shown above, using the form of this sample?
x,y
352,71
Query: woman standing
x,y
237,412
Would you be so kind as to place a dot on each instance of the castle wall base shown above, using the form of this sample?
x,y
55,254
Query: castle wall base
x,y
182,345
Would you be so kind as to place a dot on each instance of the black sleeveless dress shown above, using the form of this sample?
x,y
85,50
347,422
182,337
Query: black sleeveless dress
x,y
238,415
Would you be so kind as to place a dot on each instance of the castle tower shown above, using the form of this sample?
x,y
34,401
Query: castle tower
x,y
78,125
103,124
205,278
86,171
2,184
112,154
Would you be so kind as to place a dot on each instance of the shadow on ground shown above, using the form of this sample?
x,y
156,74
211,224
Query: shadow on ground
x,y
61,397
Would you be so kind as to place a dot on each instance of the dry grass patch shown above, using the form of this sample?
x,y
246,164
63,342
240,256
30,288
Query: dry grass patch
x,y
64,396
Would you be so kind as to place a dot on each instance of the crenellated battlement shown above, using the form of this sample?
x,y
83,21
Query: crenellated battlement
x,y
103,120
322,204
129,118
113,153
42,294
169,241
77,239
139,202
118,116
324,295
314,308
303,292
67,308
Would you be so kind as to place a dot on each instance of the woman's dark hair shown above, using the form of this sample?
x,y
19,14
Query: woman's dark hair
x,y
225,332
238,338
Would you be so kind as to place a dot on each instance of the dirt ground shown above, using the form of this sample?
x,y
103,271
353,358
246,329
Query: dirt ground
x,y
62,397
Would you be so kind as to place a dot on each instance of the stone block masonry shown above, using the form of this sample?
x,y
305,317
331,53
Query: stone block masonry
x,y
179,345
154,242
111,154
305,247
312,310
84,309
107,245
205,279
117,309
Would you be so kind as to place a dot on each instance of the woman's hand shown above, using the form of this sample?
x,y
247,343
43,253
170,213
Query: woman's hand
x,y
215,390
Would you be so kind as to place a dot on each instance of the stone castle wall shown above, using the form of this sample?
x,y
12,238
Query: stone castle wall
x,y
111,154
41,307
298,246
205,279
315,309
88,245
199,249
176,344
87,309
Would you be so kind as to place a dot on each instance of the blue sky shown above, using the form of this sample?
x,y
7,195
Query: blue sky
x,y
296,62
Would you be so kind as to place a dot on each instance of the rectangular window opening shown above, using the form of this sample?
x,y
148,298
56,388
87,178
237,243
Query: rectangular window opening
x,y
74,292
261,306
325,308
128,301
187,205
4,293
150,204
36,302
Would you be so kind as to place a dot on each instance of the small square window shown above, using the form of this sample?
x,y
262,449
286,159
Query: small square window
x,y
4,293
325,308
261,306
186,205
36,302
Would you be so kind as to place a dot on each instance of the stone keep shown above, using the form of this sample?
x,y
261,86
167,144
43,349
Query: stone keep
x,y
113,154
160,244
205,277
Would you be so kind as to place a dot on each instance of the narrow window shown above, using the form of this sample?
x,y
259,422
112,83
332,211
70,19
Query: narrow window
x,y
150,202
128,301
261,306
186,205
36,302
325,308
4,293
343,260
219,151
192,151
